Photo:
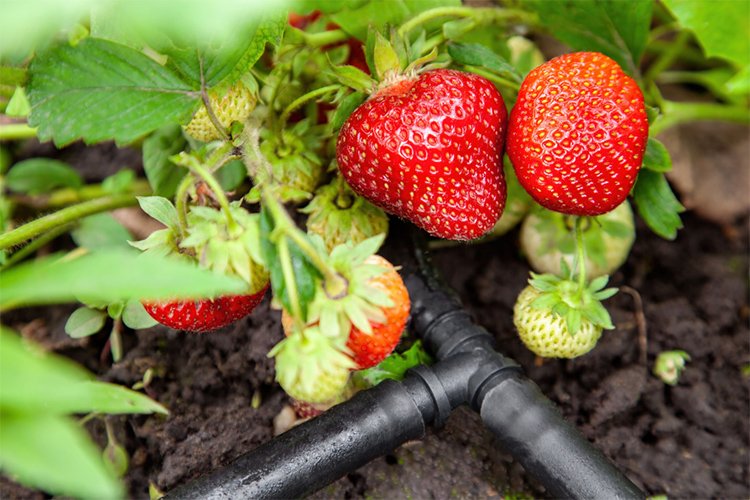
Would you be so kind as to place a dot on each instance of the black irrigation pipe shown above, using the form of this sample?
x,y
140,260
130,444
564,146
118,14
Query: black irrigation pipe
x,y
468,371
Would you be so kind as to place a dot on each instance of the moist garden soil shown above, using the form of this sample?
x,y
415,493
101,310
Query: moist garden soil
x,y
687,441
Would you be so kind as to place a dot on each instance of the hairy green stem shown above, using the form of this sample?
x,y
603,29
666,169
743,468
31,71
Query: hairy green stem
x,y
36,244
65,216
667,57
68,196
676,113
286,225
482,15
200,171
16,131
207,103
325,38
304,99
580,254
181,198
115,340
291,284
503,82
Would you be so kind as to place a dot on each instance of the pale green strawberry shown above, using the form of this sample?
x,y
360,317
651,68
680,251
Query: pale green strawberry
x,y
235,105
556,319
291,167
547,238
311,367
339,216
229,250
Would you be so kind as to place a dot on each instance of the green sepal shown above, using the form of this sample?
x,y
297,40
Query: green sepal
x,y
354,77
385,57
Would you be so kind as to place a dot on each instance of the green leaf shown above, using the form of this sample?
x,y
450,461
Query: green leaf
x,y
231,175
114,310
84,322
657,157
100,231
474,54
110,275
618,29
135,316
395,366
305,274
657,204
159,208
358,16
345,108
18,106
721,26
226,59
163,175
35,381
119,183
740,83
101,90
41,175
55,454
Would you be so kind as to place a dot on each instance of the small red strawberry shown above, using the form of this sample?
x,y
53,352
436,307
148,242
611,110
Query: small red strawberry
x,y
577,134
428,148
206,314
369,349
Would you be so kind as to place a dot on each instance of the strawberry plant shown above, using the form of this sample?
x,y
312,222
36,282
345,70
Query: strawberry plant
x,y
277,142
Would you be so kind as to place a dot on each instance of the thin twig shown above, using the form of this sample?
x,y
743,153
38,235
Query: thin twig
x,y
640,321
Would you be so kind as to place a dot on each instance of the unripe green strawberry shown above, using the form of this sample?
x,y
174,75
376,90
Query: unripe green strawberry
x,y
311,367
291,167
339,216
546,333
233,106
547,239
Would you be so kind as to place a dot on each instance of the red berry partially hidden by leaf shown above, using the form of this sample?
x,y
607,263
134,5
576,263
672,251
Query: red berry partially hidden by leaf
x,y
371,349
203,315
428,149
577,134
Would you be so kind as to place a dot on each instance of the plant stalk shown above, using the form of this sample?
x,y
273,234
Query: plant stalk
x,y
36,244
64,216
68,196
304,99
16,131
676,113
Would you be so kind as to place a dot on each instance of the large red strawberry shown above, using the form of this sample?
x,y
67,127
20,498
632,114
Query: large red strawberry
x,y
428,148
578,133
203,315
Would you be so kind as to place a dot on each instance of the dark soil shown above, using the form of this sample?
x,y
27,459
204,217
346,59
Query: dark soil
x,y
687,441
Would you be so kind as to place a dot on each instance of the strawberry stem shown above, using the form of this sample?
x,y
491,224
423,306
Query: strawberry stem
x,y
580,254
288,272
65,216
676,113
482,15
181,198
207,103
334,282
16,131
199,170
303,99
36,244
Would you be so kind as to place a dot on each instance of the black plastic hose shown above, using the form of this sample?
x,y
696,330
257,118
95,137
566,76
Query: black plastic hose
x,y
374,422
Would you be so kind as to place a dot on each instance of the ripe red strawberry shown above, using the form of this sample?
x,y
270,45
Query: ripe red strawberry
x,y
204,315
578,133
428,149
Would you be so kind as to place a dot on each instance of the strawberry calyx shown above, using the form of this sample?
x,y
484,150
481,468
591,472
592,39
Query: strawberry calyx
x,y
291,168
569,300
232,249
338,216
361,304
